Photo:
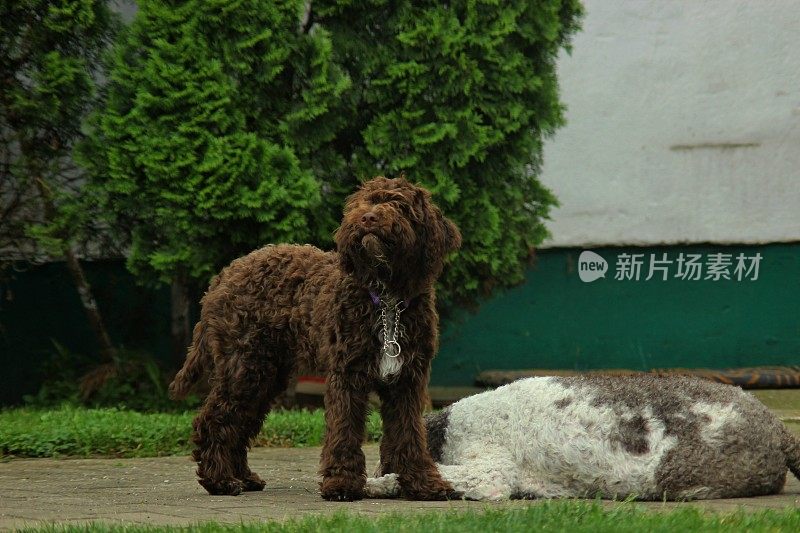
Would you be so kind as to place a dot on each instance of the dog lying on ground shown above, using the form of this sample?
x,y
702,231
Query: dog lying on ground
x,y
365,314
642,437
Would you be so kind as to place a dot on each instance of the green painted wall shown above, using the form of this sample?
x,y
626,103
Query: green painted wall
x,y
39,306
555,320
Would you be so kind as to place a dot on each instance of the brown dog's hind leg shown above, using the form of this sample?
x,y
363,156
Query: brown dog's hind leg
x,y
217,439
231,416
252,422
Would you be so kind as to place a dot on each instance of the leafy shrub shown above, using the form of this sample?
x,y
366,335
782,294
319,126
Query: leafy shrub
x,y
212,138
133,380
231,124
459,95
77,431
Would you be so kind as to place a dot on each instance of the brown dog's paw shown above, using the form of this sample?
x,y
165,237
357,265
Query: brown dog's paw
x,y
343,489
253,483
222,487
429,489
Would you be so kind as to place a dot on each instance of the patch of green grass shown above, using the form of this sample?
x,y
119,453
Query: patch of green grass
x,y
288,429
83,432
566,515
781,399
77,431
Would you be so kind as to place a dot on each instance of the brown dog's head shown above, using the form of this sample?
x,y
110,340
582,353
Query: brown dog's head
x,y
393,234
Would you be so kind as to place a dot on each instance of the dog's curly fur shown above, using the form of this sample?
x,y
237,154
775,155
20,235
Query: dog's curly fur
x,y
639,437
287,307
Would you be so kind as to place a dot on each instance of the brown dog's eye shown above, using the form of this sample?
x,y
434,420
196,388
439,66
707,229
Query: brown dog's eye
x,y
383,197
376,199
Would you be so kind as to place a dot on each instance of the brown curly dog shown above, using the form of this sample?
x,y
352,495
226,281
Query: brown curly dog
x,y
365,314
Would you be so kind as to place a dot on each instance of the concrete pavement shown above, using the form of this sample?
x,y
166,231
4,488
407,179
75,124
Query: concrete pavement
x,y
164,491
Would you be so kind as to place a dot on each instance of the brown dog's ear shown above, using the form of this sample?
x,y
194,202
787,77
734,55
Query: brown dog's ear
x,y
452,239
345,261
450,235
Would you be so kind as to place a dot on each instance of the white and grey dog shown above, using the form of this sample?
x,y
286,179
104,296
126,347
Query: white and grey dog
x,y
643,437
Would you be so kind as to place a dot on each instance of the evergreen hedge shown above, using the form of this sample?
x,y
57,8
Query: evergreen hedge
x,y
232,123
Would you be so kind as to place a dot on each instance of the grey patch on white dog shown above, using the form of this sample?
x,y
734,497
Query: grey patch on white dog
x,y
436,427
563,402
631,433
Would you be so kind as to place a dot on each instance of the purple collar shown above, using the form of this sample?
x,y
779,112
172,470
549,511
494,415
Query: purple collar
x,y
376,299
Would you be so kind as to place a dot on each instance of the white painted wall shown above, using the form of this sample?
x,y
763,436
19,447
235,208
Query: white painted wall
x,y
683,124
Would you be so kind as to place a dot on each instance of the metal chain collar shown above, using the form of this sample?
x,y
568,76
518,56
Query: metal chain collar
x,y
391,348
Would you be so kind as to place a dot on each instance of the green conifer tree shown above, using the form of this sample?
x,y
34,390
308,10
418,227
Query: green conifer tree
x,y
225,119
213,134
458,95
213,138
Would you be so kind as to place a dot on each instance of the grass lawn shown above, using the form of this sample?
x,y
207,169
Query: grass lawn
x,y
81,432
572,516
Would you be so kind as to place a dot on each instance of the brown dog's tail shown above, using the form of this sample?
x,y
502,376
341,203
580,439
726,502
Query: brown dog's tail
x,y
197,360
791,449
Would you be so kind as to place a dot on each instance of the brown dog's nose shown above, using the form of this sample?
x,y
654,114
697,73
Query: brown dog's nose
x,y
369,218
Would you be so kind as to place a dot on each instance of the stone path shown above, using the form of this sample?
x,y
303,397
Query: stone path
x,y
164,491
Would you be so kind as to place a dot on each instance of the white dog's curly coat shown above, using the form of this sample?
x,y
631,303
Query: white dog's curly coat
x,y
641,437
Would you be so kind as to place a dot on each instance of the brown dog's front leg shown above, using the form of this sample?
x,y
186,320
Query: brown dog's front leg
x,y
404,447
342,465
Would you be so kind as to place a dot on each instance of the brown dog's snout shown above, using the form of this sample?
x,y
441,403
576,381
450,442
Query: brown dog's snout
x,y
369,218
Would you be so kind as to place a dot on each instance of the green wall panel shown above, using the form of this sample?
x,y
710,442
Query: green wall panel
x,y
556,321
40,306
553,320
